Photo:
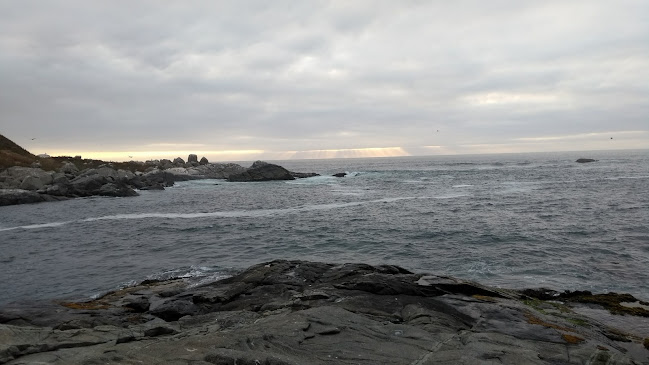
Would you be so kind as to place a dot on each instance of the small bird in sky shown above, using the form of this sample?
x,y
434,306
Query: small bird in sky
x,y
33,139
130,156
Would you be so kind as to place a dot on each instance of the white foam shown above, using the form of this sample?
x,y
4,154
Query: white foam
x,y
232,214
462,186
36,226
314,180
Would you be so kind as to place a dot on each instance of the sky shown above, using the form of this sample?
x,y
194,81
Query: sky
x,y
246,80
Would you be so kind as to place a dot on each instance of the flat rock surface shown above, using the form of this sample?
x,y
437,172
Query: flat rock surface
x,y
296,312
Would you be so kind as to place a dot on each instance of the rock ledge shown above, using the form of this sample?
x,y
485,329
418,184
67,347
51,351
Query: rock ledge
x,y
297,312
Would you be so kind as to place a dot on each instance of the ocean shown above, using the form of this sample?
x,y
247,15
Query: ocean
x,y
509,220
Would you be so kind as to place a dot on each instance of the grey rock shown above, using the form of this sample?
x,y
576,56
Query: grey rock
x,y
14,176
88,183
218,170
203,161
262,171
297,312
165,164
69,168
178,161
31,183
19,196
108,172
192,158
62,189
339,174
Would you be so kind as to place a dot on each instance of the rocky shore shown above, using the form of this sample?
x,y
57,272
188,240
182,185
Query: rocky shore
x,y
20,185
297,312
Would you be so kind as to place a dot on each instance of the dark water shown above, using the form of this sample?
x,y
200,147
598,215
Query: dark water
x,y
515,221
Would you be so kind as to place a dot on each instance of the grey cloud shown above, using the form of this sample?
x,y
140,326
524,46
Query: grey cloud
x,y
322,75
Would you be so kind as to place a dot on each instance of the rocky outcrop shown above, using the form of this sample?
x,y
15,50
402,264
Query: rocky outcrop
x,y
262,171
19,196
192,158
296,312
585,160
203,161
339,174
26,178
108,181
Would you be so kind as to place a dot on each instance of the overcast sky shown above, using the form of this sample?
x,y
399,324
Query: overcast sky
x,y
241,80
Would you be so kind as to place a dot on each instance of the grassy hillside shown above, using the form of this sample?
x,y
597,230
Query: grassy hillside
x,y
12,154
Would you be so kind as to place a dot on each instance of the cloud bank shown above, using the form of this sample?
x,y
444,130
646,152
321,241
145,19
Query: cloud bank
x,y
255,79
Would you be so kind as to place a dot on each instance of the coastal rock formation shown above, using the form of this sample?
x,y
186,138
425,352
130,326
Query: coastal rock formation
x,y
262,171
66,177
297,312
340,174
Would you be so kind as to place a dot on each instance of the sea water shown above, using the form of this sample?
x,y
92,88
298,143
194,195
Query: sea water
x,y
510,220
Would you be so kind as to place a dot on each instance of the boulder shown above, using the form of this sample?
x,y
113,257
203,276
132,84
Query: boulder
x,y
165,164
69,168
87,185
262,171
31,183
13,177
203,161
108,172
179,161
192,158
339,174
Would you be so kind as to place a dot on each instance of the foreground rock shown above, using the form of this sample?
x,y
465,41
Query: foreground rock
x,y
294,312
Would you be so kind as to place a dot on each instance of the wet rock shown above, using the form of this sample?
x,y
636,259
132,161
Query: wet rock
x,y
303,175
585,160
297,312
339,174
116,190
18,196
